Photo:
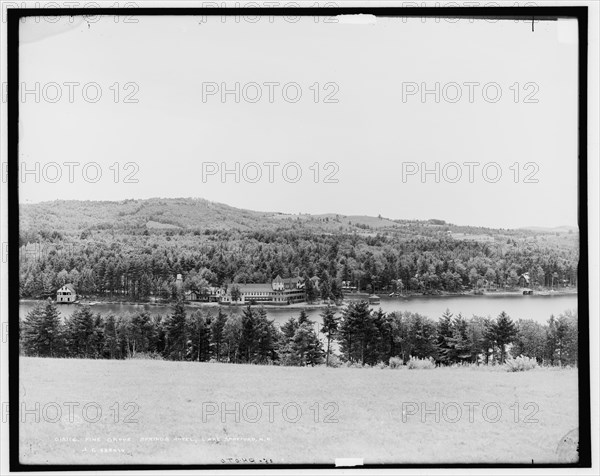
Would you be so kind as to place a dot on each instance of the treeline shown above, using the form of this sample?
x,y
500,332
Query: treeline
x,y
362,336
140,265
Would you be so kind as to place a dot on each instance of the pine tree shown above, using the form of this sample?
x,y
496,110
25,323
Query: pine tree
x,y
309,289
249,335
176,332
477,342
504,331
217,328
286,351
140,332
111,338
314,348
83,334
299,345
356,330
444,334
303,318
266,337
199,335
329,328
232,337
41,332
459,341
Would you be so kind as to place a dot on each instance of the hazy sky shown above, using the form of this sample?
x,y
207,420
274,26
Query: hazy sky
x,y
374,134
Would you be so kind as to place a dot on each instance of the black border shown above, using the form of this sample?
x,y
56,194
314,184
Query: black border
x,y
580,13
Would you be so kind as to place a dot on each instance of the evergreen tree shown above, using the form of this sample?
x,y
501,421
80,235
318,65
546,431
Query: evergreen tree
x,y
199,337
141,333
356,331
303,318
158,342
489,339
336,290
309,289
217,328
299,343
444,335
306,347
504,331
568,335
111,338
314,349
232,337
266,337
83,334
422,336
459,343
176,332
530,340
329,328
477,342
249,335
41,331
561,340
286,351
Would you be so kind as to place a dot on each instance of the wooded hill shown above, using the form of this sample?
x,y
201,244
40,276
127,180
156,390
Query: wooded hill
x,y
135,248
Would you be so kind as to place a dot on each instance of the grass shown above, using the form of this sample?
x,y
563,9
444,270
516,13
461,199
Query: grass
x,y
370,424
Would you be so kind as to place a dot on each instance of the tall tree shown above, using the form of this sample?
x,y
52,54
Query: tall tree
x,y
329,329
141,332
530,340
176,332
249,334
444,335
41,330
199,337
217,328
504,332
356,330
111,338
83,334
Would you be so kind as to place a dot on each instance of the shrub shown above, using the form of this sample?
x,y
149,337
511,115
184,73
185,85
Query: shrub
x,y
396,362
381,365
354,365
334,361
146,356
420,364
520,364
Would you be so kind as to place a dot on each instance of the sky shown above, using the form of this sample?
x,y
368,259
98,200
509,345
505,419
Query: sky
x,y
135,110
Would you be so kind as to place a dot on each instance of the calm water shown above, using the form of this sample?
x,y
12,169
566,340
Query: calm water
x,y
538,308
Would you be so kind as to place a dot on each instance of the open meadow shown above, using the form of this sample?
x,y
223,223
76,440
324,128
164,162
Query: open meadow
x,y
146,411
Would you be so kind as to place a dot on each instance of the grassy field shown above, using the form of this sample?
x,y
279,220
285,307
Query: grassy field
x,y
161,412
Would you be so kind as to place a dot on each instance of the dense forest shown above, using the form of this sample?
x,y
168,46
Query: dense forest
x,y
134,249
364,337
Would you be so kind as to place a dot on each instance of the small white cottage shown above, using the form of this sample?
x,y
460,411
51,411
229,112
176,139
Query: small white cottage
x,y
66,294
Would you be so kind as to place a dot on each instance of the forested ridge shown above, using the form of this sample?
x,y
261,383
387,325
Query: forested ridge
x,y
135,248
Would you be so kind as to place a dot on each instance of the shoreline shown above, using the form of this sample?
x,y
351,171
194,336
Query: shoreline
x,y
347,298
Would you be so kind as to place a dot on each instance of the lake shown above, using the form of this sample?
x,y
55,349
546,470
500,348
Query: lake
x,y
538,308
